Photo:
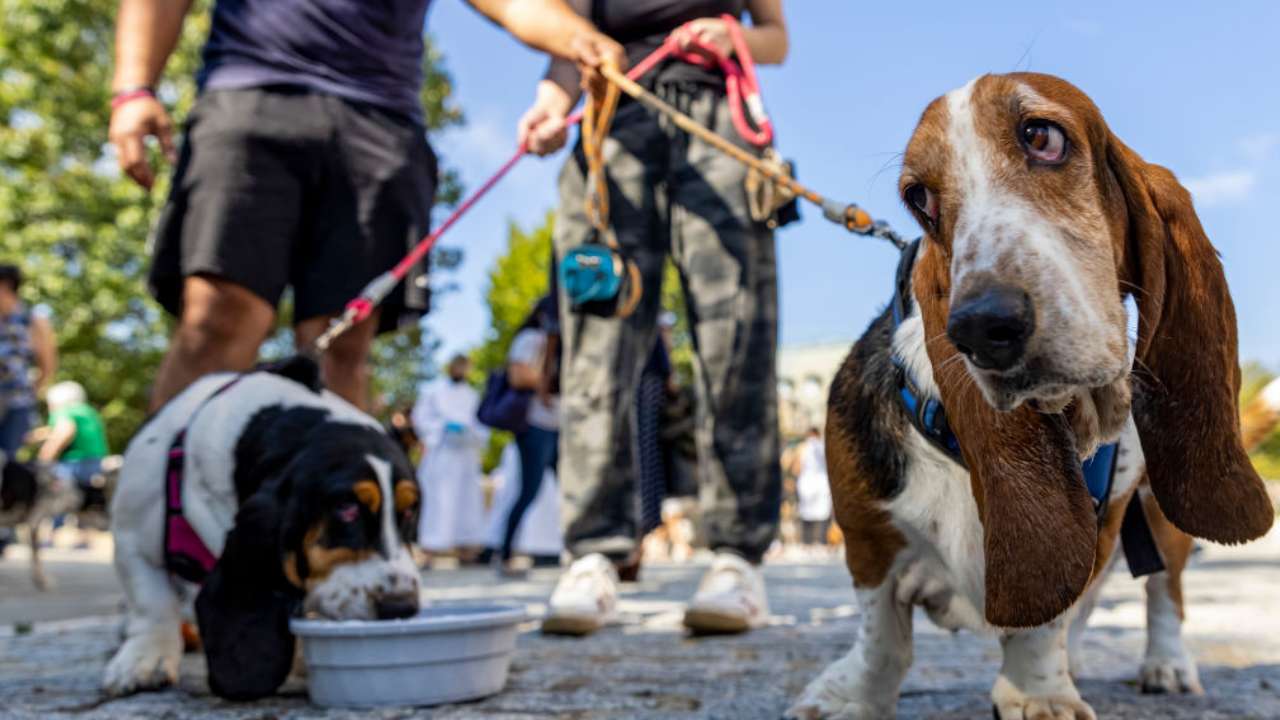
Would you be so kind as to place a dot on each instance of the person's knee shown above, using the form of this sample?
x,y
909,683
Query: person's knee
x,y
348,354
221,319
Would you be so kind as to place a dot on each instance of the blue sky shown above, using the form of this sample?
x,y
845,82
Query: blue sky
x,y
1194,89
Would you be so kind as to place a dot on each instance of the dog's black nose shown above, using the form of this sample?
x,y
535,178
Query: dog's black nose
x,y
395,607
992,327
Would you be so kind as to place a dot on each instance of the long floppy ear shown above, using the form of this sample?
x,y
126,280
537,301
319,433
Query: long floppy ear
x,y
244,607
1187,373
1038,522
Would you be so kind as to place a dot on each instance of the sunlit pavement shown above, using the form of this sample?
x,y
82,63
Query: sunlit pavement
x,y
53,647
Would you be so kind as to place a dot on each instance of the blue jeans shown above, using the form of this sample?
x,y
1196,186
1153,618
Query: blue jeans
x,y
80,471
14,425
537,453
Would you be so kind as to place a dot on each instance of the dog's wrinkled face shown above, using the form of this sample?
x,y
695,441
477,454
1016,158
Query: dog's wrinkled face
x,y
346,539
1005,176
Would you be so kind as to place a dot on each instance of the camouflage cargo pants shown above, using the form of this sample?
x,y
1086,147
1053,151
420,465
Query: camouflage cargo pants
x,y
670,193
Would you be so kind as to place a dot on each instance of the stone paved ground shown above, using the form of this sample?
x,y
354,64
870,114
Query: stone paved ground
x,y
648,669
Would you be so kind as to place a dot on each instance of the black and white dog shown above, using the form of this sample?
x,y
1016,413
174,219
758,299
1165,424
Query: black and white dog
x,y
277,498
29,497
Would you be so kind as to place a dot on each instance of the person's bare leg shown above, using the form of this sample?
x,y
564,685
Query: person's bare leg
x,y
345,366
221,328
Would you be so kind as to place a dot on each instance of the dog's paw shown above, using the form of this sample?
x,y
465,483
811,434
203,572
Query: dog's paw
x,y
834,709
1010,703
1045,709
835,696
1170,675
144,662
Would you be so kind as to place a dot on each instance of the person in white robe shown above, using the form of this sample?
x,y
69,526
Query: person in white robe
x,y
453,513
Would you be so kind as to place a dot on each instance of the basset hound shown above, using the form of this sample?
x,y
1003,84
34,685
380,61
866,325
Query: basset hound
x,y
1038,224
274,498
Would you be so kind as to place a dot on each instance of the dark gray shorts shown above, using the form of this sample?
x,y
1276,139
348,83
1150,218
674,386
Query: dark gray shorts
x,y
282,187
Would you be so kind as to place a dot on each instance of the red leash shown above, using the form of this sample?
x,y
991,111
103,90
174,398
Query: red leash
x,y
739,77
744,95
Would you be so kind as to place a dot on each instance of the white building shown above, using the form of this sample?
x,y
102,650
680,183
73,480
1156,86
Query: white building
x,y
805,373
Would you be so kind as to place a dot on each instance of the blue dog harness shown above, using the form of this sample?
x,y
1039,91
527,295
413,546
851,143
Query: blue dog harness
x,y
929,417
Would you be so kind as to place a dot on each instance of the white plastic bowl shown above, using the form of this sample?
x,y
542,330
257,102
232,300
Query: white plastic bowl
x,y
445,654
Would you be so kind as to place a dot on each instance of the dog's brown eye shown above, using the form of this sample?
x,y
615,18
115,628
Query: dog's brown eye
x,y
922,199
1043,141
347,512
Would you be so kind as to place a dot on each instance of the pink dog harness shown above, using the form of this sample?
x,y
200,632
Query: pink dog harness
x,y
185,554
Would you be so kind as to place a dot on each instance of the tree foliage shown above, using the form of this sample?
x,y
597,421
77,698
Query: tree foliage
x,y
1266,458
519,278
77,227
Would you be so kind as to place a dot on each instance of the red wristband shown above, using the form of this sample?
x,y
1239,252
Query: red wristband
x,y
131,94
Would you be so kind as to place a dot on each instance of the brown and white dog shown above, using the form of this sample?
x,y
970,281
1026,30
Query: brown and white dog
x,y
1038,223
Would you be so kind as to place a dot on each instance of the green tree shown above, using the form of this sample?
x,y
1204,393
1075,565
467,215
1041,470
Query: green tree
x,y
77,227
673,301
520,276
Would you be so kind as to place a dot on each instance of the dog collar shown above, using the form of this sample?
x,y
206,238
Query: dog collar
x,y
926,412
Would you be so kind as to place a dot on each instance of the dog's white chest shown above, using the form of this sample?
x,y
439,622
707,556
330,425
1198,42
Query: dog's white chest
x,y
943,566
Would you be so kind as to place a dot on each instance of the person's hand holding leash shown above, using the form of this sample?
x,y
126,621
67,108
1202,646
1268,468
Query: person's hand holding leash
x,y
132,121
707,31
590,49
542,129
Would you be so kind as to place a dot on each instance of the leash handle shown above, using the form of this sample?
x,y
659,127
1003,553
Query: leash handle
x,y
597,118
741,83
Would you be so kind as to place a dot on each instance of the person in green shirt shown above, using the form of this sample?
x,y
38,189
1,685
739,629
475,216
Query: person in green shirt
x,y
76,438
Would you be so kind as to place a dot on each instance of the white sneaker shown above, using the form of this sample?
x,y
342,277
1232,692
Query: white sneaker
x,y
730,598
585,599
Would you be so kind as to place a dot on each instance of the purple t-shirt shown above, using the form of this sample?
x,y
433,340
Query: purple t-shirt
x,y
368,51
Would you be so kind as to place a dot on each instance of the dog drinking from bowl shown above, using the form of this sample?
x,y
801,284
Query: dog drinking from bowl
x,y
275,498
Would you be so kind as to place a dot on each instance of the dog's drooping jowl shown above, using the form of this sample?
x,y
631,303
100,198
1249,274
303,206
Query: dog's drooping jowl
x,y
957,426
276,498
